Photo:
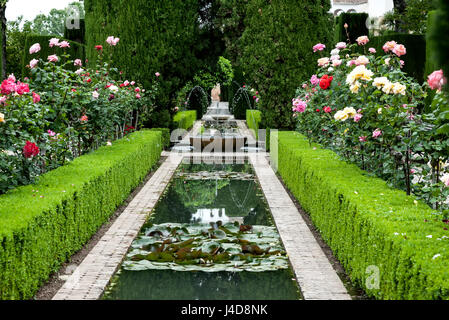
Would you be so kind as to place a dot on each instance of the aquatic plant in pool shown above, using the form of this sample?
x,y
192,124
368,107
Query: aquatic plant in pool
x,y
185,247
210,236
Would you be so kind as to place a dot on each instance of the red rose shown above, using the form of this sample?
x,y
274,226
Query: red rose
x,y
327,109
99,47
30,150
325,81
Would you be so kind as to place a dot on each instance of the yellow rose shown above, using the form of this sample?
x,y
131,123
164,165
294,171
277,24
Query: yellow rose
x,y
341,115
355,87
388,88
2,117
350,112
399,88
380,82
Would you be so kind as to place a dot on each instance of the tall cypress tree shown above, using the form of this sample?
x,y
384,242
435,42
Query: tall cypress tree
x,y
155,36
277,51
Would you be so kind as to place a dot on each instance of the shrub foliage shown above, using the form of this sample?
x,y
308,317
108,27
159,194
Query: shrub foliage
x,y
42,225
276,50
368,224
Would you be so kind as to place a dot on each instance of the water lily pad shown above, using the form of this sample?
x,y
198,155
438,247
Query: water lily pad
x,y
208,248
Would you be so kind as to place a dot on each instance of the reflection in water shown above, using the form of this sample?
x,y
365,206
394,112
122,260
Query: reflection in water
x,y
197,285
206,216
232,194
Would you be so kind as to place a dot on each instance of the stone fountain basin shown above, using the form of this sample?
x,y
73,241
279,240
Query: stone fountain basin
x,y
226,141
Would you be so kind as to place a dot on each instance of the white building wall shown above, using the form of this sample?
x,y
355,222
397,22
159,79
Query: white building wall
x,y
375,8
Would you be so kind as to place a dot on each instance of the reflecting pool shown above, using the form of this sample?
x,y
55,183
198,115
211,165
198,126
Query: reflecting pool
x,y
210,237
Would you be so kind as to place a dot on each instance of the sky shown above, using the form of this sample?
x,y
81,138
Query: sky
x,y
30,8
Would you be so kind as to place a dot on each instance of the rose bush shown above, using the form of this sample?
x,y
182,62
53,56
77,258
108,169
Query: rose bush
x,y
59,114
367,110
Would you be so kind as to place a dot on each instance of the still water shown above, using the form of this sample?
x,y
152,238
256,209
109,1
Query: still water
x,y
202,196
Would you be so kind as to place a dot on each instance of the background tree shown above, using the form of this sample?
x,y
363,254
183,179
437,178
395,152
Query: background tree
x,y
3,36
54,22
409,16
277,51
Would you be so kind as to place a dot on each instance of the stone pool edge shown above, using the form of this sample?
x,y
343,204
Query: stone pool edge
x,y
90,278
315,275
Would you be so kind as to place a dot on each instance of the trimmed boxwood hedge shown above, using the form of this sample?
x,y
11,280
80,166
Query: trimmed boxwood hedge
x,y
184,119
366,223
42,225
165,136
253,119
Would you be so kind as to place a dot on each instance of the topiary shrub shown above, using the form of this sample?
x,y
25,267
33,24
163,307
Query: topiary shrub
x,y
356,26
184,119
277,51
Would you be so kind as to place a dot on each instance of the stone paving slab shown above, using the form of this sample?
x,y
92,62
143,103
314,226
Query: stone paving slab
x,y
314,273
91,277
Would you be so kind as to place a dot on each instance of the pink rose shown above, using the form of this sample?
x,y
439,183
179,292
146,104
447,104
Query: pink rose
x,y
138,96
341,45
8,87
157,74
53,58
318,47
357,117
35,48
137,89
362,139
33,63
399,50
78,63
112,41
22,88
436,80
63,44
53,42
133,83
36,97
372,50
377,133
362,60
389,46
314,80
299,105
362,40
336,63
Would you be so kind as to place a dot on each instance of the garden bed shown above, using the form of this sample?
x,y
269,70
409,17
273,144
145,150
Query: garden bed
x,y
44,224
369,226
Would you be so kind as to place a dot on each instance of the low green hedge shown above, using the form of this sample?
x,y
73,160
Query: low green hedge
x,y
366,223
165,136
253,119
42,225
184,119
